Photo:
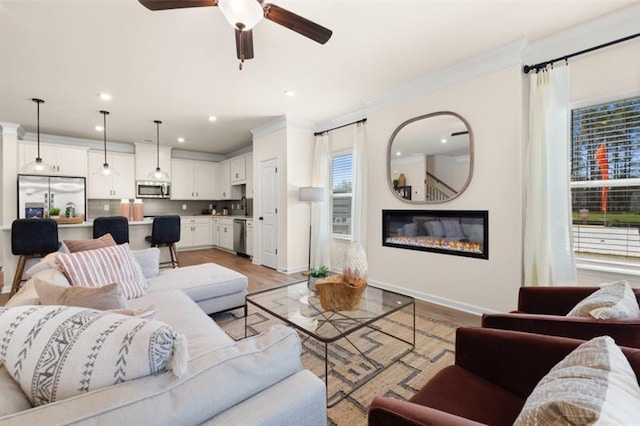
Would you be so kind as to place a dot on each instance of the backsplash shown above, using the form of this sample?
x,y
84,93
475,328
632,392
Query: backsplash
x,y
153,207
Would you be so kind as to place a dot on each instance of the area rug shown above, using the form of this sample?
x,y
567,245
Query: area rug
x,y
433,351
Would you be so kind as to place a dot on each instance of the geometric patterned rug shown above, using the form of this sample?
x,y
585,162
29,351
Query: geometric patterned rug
x,y
433,351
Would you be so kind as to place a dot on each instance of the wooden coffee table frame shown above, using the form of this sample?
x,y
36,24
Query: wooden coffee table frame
x,y
333,319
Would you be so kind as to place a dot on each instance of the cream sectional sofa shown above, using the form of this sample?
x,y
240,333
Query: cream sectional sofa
x,y
255,381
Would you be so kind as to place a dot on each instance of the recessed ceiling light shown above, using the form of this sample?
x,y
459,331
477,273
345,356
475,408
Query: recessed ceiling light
x,y
289,93
212,118
443,140
398,153
99,128
181,140
105,96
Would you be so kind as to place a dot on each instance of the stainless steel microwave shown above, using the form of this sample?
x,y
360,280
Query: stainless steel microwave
x,y
153,189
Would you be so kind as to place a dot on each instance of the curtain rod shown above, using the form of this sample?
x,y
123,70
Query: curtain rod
x,y
537,67
340,127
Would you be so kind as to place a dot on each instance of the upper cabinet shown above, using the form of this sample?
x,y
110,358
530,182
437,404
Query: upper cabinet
x,y
193,180
116,186
225,190
238,171
147,160
67,160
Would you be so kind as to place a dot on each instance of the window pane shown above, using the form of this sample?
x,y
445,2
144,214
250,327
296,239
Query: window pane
x,y
341,194
605,171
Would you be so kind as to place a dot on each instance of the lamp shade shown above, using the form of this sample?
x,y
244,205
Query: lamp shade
x,y
311,193
241,14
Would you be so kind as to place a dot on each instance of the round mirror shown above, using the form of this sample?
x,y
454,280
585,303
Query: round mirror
x,y
430,158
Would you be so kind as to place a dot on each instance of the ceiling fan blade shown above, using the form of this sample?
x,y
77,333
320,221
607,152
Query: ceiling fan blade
x,y
244,44
176,4
297,23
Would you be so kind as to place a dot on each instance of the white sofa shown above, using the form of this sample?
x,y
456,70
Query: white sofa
x,y
255,381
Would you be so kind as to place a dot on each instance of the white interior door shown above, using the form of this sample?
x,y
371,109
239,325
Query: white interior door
x,y
268,215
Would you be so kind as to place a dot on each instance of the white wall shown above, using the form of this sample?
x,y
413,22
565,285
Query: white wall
x,y
468,283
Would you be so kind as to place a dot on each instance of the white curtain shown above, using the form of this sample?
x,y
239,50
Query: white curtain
x,y
359,186
548,254
321,211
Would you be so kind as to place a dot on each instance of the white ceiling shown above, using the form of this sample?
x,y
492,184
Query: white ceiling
x,y
180,66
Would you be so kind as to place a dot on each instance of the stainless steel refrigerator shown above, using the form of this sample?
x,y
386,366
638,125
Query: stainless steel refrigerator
x,y
37,194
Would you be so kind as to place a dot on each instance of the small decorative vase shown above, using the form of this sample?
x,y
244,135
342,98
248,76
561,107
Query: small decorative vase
x,y
312,283
402,180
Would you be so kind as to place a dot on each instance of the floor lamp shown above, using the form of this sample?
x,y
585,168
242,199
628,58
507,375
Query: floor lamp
x,y
311,194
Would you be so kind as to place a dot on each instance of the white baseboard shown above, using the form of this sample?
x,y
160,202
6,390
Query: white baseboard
x,y
437,300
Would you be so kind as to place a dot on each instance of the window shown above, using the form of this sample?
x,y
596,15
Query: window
x,y
605,180
341,166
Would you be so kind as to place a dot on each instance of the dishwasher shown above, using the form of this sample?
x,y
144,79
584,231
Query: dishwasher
x,y
240,237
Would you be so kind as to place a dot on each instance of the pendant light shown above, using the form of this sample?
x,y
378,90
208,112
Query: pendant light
x,y
158,174
37,165
105,169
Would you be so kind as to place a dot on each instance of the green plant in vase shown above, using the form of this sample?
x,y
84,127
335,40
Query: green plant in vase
x,y
54,212
316,274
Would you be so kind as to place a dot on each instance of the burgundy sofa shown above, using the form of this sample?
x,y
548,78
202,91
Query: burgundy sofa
x,y
542,310
494,373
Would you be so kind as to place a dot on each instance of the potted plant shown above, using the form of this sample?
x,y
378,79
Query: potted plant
x,y
316,274
54,212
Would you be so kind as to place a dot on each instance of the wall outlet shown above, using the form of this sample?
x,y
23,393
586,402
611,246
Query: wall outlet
x,y
184,207
106,207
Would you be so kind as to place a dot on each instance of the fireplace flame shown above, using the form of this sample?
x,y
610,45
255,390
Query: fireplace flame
x,y
430,242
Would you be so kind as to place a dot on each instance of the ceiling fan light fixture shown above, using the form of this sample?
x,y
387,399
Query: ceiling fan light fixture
x,y
241,14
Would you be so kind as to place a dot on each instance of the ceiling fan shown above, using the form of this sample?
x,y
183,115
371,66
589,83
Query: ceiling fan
x,y
243,15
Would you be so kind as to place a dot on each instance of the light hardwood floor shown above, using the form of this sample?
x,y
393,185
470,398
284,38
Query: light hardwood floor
x,y
263,278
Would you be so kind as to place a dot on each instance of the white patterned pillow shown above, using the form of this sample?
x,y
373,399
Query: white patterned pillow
x,y
96,268
594,384
614,300
56,352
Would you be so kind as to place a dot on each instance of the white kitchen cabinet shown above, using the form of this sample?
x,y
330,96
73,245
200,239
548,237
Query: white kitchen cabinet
x,y
249,235
249,172
193,180
225,190
194,232
226,234
116,186
67,161
147,160
215,232
238,170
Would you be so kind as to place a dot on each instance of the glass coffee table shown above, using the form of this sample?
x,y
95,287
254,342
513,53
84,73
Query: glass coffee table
x,y
299,307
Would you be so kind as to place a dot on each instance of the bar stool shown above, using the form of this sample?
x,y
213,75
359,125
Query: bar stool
x,y
165,232
31,238
117,226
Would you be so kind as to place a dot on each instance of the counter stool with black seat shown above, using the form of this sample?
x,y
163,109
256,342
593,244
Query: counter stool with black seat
x,y
31,238
165,232
117,226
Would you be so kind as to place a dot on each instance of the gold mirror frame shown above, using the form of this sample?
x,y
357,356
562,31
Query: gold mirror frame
x,y
391,156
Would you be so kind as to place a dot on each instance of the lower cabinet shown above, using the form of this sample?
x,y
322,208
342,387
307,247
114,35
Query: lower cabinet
x,y
222,233
194,232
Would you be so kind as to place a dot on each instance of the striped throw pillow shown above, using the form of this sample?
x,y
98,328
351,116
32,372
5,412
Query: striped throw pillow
x,y
75,246
56,352
593,385
96,268
614,300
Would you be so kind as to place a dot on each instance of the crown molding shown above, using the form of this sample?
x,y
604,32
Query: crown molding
x,y
279,123
609,27
12,128
196,155
94,144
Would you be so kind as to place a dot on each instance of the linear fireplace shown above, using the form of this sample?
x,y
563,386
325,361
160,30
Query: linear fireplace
x,y
457,232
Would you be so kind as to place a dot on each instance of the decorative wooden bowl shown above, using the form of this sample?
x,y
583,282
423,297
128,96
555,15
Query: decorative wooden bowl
x,y
69,220
339,295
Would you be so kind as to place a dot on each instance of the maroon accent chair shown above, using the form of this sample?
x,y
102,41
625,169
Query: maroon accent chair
x,y
543,310
494,373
